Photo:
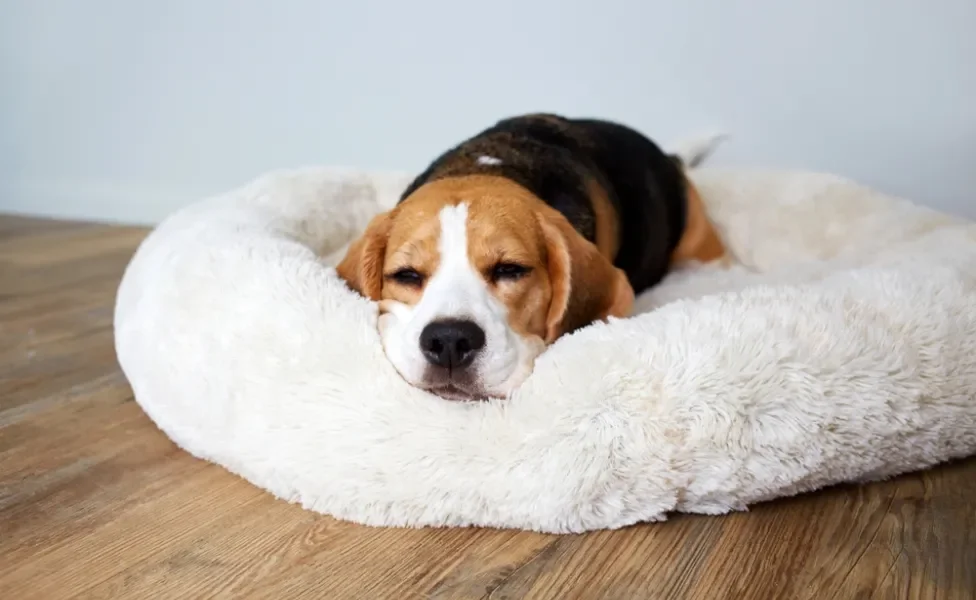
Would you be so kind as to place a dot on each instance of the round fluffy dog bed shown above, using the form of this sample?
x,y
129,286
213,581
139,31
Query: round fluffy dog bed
x,y
843,348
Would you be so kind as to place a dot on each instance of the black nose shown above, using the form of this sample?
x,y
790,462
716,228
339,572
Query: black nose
x,y
451,344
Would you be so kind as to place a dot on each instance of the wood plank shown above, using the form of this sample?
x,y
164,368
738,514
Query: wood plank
x,y
95,502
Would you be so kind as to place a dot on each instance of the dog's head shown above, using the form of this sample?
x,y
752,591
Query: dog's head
x,y
474,277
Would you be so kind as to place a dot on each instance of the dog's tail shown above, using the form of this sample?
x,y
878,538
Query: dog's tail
x,y
693,151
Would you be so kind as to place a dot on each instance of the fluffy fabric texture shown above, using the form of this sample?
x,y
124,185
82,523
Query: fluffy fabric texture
x,y
843,348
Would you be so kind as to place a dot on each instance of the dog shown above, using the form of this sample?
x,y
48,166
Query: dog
x,y
530,230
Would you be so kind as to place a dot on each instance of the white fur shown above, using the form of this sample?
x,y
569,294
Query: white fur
x,y
456,290
694,150
489,160
843,350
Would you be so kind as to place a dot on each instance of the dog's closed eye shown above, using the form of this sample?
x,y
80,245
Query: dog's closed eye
x,y
506,271
406,276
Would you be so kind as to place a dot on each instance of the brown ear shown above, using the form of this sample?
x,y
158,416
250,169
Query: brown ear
x,y
362,267
586,287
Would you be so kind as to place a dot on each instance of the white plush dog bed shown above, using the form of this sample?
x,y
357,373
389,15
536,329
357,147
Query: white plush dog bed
x,y
844,349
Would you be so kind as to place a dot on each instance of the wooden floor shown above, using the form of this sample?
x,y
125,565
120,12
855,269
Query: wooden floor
x,y
96,503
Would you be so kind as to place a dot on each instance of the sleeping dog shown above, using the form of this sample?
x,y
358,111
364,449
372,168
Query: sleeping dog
x,y
527,231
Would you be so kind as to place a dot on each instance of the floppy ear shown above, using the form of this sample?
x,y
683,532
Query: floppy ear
x,y
586,287
362,267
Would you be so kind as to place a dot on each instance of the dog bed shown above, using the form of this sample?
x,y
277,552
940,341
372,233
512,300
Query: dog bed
x,y
840,348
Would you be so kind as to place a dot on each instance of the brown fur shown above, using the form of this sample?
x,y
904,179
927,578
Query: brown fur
x,y
607,223
571,282
586,286
699,241
362,267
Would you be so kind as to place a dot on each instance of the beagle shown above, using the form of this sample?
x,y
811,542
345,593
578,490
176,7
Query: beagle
x,y
527,231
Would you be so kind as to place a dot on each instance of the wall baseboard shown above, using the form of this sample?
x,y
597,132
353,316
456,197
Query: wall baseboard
x,y
95,201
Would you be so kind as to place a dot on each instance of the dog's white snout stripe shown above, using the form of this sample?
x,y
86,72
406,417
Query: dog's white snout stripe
x,y
455,290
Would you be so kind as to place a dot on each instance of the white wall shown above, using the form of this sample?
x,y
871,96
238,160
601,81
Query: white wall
x,y
124,110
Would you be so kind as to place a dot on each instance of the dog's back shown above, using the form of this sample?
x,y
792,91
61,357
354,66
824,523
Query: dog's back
x,y
617,188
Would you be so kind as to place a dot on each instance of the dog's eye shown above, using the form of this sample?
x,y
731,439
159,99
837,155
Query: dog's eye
x,y
407,276
509,271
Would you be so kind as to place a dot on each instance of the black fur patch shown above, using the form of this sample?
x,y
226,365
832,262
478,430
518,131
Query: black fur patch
x,y
554,157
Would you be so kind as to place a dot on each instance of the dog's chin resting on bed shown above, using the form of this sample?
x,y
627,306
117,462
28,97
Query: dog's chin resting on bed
x,y
535,227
